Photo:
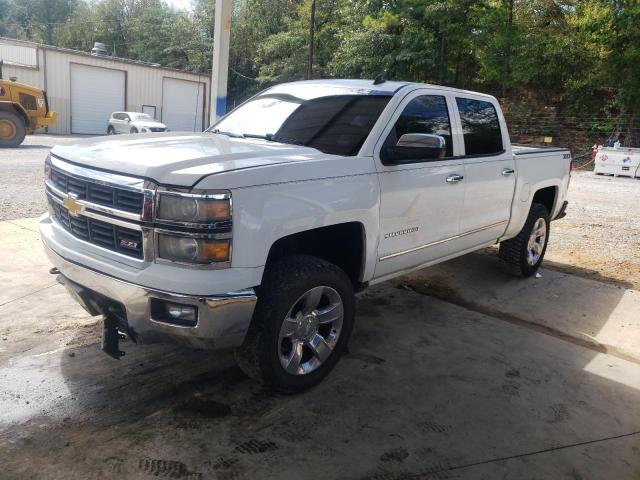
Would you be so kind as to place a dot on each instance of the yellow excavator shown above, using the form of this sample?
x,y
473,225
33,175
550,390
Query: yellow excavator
x,y
23,110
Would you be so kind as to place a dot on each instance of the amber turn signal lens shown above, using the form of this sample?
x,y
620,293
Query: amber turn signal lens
x,y
216,209
217,250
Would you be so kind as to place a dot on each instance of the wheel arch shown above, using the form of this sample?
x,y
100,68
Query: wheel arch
x,y
547,196
343,244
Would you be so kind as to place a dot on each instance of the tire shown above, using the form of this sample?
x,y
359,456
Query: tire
x,y
134,130
111,130
516,255
282,320
12,130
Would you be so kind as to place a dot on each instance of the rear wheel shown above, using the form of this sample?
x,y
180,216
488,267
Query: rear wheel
x,y
301,326
111,130
134,130
12,130
523,254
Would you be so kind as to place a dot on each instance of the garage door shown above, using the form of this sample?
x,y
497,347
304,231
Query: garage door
x,y
182,103
95,93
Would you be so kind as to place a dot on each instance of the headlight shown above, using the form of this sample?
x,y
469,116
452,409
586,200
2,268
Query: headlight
x,y
193,208
48,173
193,250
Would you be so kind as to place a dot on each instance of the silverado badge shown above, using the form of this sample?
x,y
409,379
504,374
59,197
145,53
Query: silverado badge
x,y
73,206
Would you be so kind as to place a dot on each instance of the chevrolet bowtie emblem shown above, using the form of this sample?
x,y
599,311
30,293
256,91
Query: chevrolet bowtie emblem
x,y
73,206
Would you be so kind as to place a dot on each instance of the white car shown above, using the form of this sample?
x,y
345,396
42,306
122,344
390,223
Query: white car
x,y
133,122
257,233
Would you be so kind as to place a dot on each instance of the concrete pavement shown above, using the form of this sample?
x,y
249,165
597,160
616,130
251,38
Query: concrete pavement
x,y
492,383
599,315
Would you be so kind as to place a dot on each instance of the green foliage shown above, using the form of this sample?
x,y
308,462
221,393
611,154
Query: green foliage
x,y
581,54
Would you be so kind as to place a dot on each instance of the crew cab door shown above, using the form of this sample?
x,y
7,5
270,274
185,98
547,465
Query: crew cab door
x,y
421,198
489,170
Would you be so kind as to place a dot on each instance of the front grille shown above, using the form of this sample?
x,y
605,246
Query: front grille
x,y
156,129
106,235
97,193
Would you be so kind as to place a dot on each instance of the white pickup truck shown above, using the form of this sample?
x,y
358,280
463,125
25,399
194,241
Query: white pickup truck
x,y
256,233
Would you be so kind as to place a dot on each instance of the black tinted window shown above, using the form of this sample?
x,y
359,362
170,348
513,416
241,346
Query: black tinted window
x,y
28,101
425,114
480,127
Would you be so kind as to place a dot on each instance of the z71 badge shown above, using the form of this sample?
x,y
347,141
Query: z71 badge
x,y
405,231
130,244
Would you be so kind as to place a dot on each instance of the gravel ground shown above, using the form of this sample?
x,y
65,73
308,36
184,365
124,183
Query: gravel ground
x,y
22,192
599,238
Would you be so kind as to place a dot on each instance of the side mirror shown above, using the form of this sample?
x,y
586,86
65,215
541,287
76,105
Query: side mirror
x,y
128,120
414,147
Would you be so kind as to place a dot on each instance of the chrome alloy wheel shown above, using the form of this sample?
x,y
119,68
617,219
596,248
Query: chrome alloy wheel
x,y
537,239
310,331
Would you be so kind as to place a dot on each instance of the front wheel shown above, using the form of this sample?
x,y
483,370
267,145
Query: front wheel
x,y
301,326
12,130
523,254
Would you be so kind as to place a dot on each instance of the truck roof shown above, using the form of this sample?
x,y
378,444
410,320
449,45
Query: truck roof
x,y
362,87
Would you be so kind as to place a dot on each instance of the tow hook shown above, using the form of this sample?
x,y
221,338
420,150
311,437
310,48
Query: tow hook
x,y
54,271
111,336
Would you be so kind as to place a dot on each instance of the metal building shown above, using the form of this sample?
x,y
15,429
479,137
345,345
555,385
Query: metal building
x,y
84,88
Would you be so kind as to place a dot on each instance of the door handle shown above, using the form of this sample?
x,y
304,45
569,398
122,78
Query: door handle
x,y
508,171
454,178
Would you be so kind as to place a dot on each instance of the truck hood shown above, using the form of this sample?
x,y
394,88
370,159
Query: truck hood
x,y
181,159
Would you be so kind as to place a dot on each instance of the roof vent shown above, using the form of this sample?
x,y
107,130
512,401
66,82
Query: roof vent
x,y
378,80
99,49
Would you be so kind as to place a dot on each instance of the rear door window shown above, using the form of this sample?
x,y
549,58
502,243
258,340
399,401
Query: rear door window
x,y
480,127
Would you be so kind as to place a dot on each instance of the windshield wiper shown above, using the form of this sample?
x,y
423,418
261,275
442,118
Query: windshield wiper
x,y
228,134
274,138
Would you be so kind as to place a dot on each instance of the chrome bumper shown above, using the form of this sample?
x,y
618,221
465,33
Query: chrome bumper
x,y
222,322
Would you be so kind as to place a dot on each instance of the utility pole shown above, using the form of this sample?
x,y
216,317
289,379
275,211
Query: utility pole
x,y
312,31
220,64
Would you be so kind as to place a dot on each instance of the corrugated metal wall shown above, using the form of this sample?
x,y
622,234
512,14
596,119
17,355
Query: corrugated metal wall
x,y
30,76
23,55
143,82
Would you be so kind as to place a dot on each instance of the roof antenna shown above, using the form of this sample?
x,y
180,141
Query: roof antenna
x,y
379,79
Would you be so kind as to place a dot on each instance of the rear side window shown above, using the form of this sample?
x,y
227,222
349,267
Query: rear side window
x,y
480,126
424,114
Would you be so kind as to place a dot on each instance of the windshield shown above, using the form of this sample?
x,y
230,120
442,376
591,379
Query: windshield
x,y
337,124
142,116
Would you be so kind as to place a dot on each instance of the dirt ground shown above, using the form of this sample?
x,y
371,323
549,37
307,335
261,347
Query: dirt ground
x,y
22,176
458,371
600,236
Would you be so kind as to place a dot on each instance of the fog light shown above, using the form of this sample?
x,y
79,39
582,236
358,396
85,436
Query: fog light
x,y
174,313
181,312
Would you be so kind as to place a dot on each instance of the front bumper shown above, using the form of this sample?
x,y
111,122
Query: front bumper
x,y
222,319
46,121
